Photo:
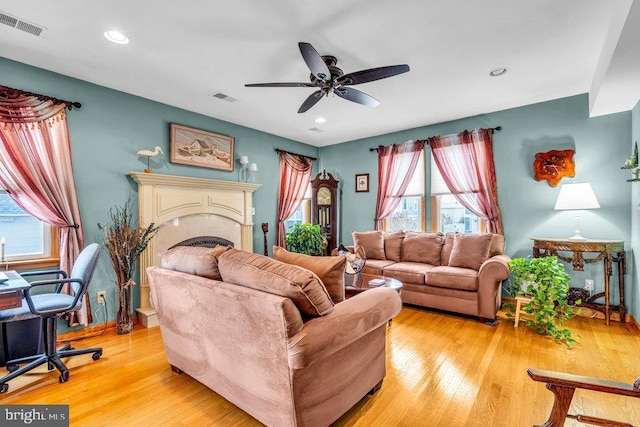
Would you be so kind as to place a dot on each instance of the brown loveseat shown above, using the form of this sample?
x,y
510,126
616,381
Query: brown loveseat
x,y
454,272
266,335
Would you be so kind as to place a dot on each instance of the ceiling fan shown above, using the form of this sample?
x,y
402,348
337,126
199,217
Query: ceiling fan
x,y
330,79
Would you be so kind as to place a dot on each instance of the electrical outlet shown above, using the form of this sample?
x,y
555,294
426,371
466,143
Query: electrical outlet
x,y
102,297
588,285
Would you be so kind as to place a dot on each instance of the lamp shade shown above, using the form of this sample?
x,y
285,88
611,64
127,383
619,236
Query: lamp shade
x,y
576,196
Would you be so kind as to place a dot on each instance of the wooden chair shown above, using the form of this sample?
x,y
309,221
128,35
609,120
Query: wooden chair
x,y
564,385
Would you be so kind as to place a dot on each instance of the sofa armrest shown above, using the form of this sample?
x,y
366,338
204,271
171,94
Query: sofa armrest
x,y
349,321
490,276
494,269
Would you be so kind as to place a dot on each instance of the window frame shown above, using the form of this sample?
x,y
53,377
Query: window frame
x,y
434,202
50,234
435,215
422,162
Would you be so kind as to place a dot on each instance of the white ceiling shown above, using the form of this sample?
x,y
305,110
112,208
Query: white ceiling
x,y
182,52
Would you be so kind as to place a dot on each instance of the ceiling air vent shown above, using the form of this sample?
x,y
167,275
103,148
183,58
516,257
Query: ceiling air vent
x,y
223,96
19,24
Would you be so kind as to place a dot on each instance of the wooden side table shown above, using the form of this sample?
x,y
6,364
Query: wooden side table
x,y
607,251
520,301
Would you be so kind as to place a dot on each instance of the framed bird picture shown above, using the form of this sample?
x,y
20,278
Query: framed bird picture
x,y
195,147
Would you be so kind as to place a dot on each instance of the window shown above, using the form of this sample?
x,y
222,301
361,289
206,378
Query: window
x,y
410,213
447,214
29,242
302,215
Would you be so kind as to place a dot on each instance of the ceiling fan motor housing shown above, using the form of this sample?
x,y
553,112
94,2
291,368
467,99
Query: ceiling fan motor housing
x,y
336,72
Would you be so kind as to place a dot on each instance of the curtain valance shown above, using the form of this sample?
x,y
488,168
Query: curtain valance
x,y
18,106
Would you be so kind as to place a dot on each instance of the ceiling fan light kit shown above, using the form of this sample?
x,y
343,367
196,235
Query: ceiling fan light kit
x,y
328,78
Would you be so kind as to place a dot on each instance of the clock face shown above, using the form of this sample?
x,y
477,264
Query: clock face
x,y
324,196
553,166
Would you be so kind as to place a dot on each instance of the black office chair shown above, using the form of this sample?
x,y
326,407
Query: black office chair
x,y
51,305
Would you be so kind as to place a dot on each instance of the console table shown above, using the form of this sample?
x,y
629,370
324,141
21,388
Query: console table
x,y
607,251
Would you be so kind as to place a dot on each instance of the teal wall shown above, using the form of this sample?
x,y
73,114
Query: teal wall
x,y
601,145
112,126
633,296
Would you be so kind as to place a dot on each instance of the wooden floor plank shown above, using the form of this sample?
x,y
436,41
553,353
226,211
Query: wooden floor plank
x,y
442,370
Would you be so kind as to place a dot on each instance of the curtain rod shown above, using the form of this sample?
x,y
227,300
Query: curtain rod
x,y
277,150
495,129
7,92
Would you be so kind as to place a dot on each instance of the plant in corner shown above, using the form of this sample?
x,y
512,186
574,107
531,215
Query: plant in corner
x,y
546,283
125,242
305,239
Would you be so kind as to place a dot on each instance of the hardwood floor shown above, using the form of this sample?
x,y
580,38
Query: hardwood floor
x,y
442,370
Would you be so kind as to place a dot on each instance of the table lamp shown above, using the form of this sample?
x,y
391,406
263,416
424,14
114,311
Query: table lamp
x,y
576,196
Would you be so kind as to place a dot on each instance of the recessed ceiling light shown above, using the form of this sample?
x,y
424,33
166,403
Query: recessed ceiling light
x,y
320,120
496,72
116,37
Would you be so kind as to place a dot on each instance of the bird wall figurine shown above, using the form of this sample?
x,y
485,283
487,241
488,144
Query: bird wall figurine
x,y
149,154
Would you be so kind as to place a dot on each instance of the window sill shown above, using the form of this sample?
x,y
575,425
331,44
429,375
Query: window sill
x,y
30,264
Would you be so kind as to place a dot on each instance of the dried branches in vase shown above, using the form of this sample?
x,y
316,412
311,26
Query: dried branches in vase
x,y
125,241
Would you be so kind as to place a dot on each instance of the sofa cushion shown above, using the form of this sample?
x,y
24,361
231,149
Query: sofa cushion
x,y
259,272
371,241
330,269
446,248
422,247
408,272
464,279
470,250
196,260
393,245
376,266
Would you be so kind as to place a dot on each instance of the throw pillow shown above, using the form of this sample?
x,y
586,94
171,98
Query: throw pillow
x,y
497,245
196,260
264,274
424,248
329,269
393,245
371,241
470,250
446,248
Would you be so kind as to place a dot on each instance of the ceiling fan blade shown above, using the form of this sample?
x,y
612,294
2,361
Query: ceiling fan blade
x,y
372,74
280,85
354,95
311,101
314,61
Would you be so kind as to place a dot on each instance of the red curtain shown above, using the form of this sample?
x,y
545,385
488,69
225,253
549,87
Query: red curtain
x,y
396,164
36,170
295,174
465,162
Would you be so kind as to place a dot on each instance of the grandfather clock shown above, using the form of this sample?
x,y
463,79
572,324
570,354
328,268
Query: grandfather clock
x,y
324,207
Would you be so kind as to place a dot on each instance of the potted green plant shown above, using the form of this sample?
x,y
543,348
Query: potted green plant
x,y
545,281
305,239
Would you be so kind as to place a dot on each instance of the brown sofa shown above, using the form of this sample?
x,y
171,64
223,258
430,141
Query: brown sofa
x,y
461,273
267,336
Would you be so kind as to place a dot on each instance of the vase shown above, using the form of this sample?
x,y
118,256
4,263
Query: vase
x,y
124,319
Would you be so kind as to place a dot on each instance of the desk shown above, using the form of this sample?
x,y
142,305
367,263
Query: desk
x,y
607,251
11,290
17,338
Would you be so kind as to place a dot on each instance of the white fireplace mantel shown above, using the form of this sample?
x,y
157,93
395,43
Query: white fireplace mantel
x,y
165,198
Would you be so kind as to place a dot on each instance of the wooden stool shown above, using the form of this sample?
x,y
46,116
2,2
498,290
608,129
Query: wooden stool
x,y
520,301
